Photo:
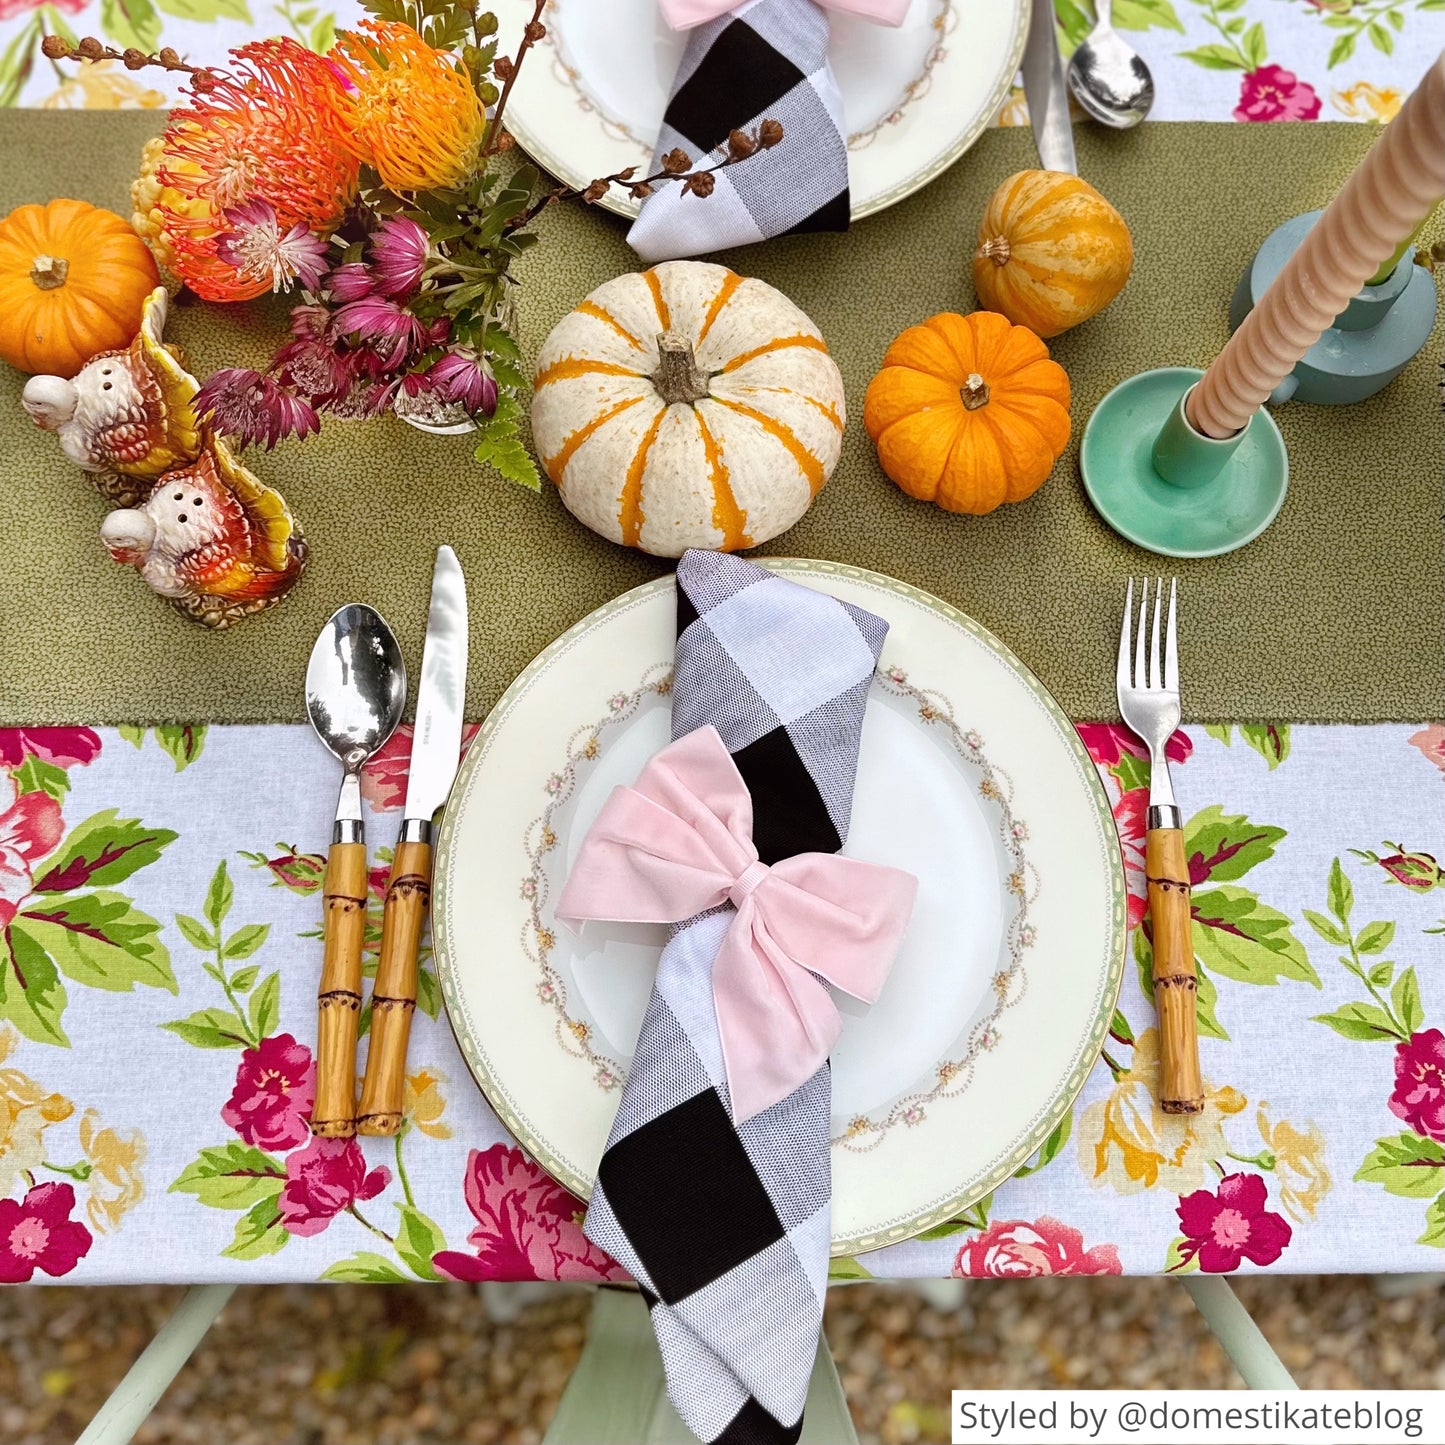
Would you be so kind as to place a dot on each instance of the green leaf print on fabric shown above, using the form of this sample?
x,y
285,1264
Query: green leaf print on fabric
x,y
364,1268
35,775
32,996
99,939
1405,1164
1434,1225
182,744
231,1176
131,23
100,852
418,1238
259,1232
1241,938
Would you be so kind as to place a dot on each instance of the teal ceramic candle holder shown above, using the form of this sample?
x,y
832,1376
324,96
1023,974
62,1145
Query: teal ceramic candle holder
x,y
1169,488
1372,338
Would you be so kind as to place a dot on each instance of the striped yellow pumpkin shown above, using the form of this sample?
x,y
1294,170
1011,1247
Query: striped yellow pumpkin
x,y
1051,252
687,406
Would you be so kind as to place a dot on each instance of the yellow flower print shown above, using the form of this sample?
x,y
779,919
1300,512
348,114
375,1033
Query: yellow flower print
x,y
26,1112
1363,101
101,85
1299,1163
115,1182
1015,110
1128,1142
423,1102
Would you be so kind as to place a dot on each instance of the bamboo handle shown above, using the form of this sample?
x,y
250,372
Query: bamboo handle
x,y
338,1001
1180,1088
393,996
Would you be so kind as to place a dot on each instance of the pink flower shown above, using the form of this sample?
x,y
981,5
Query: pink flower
x,y
313,368
461,377
65,747
400,250
1419,1097
1231,1225
383,779
259,251
249,407
9,9
1431,742
324,1178
303,873
29,829
1016,1249
390,330
275,1088
350,282
1106,742
527,1226
38,1233
1131,819
1273,93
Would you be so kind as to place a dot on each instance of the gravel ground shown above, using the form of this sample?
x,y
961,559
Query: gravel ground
x,y
359,1364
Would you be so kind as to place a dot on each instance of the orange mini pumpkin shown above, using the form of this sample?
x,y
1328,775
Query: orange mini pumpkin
x,y
73,281
968,411
1052,252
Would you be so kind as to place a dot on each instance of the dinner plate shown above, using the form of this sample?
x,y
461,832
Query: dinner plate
x,y
589,100
971,777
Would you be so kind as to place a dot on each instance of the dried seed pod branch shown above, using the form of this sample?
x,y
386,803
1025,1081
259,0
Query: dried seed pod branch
x,y
203,77
676,166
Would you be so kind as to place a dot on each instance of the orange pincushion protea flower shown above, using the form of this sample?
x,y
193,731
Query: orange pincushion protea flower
x,y
267,132
409,111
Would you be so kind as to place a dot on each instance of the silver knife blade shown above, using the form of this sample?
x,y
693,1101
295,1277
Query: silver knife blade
x,y
437,743
1047,91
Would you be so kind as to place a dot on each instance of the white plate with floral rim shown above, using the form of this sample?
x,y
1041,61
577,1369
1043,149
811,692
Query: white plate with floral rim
x,y
589,100
971,777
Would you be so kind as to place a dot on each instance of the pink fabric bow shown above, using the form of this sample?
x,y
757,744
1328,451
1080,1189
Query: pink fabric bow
x,y
681,841
684,14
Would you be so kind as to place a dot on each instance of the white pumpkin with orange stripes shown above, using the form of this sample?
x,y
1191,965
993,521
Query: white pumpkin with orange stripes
x,y
687,406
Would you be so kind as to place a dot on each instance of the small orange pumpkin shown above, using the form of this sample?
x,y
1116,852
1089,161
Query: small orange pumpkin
x,y
1052,252
968,411
73,282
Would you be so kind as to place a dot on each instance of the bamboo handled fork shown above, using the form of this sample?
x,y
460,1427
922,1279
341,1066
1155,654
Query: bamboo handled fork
x,y
1149,705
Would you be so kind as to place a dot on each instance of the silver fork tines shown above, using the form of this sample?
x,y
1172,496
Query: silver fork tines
x,y
1149,694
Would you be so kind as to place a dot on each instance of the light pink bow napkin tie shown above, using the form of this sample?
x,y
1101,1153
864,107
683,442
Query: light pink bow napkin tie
x,y
680,842
684,14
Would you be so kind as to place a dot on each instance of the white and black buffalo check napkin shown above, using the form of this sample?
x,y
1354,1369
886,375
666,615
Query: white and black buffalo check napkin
x,y
764,60
726,1228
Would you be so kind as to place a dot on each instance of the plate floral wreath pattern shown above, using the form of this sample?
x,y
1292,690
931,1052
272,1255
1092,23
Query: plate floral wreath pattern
x,y
951,1076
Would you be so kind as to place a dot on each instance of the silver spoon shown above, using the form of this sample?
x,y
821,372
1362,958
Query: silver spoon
x,y
1108,77
355,693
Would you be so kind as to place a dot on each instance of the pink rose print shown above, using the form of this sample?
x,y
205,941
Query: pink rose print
x,y
324,1178
65,747
1431,742
1415,870
275,1088
1016,1249
38,1233
29,829
526,1226
383,779
1223,1228
1273,93
1419,1097
1107,741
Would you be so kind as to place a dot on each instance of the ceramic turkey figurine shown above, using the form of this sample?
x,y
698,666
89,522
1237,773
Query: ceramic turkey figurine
x,y
212,538
126,416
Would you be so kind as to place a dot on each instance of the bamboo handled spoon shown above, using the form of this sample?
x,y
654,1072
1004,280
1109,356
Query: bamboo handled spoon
x,y
355,693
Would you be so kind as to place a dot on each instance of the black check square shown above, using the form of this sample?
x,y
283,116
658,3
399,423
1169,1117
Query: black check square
x,y
789,814
739,78
684,1184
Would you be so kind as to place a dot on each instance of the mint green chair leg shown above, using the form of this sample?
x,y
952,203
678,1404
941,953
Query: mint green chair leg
x,y
616,1395
1242,1339
160,1362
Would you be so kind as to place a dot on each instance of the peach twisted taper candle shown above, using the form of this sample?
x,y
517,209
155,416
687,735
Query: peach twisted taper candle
x,y
1390,192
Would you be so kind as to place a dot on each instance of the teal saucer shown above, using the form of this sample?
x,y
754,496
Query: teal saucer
x,y
1202,521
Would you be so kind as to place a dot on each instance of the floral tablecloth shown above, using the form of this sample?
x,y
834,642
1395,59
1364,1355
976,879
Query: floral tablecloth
x,y
1254,60
160,902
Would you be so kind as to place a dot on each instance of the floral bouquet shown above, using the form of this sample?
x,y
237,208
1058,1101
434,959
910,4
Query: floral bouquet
x,y
375,181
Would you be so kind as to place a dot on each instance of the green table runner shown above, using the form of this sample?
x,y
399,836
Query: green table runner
x,y
1332,615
